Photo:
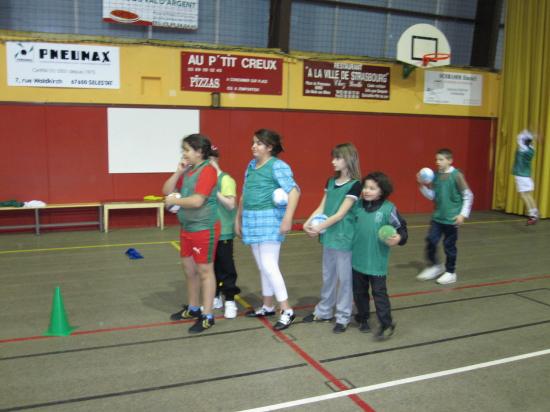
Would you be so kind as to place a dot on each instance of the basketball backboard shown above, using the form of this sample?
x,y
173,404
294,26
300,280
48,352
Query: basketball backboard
x,y
424,45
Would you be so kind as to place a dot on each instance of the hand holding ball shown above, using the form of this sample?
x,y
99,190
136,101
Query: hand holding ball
x,y
385,232
317,220
174,208
280,197
426,175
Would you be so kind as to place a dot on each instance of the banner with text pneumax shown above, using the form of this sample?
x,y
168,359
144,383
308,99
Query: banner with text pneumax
x,y
62,65
179,14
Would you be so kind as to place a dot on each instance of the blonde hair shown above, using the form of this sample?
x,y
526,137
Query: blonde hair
x,y
348,152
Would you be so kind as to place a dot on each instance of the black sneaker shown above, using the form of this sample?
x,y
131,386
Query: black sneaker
x,y
384,332
364,327
284,321
339,328
312,317
259,313
201,324
185,313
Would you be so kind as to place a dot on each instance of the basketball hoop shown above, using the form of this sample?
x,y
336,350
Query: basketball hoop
x,y
434,57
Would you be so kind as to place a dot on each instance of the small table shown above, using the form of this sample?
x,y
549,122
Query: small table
x,y
133,205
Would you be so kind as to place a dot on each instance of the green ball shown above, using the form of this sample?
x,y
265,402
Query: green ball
x,y
386,232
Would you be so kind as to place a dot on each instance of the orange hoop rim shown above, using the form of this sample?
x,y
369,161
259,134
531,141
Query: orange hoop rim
x,y
433,57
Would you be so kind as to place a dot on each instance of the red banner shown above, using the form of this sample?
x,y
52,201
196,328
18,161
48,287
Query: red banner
x,y
214,72
346,80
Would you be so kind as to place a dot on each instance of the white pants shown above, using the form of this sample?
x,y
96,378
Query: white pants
x,y
267,258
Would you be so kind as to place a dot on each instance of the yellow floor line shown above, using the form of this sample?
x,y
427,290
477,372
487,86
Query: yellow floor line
x,y
83,247
175,243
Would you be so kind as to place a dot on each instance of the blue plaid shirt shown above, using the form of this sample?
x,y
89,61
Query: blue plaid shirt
x,y
264,225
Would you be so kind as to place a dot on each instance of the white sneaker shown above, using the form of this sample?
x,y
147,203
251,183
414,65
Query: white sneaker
x,y
431,272
218,302
446,278
230,309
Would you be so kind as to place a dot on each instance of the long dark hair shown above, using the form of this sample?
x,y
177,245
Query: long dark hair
x,y
201,142
270,138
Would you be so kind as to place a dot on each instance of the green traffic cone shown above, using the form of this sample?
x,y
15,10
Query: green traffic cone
x,y
59,324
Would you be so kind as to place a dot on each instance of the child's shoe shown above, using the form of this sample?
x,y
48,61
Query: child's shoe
x,y
431,272
260,312
532,221
230,309
287,317
339,328
218,302
446,278
364,327
385,332
186,313
203,323
312,317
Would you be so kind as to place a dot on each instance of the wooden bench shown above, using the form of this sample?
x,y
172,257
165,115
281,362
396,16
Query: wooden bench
x,y
37,225
107,206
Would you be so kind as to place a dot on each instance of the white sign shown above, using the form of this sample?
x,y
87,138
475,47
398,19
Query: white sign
x,y
148,140
62,65
463,89
182,14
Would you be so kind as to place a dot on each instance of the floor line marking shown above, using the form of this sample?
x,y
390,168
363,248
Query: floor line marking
x,y
309,360
248,306
56,249
294,233
412,379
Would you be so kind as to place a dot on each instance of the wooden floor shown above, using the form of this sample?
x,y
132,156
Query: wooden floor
x,y
482,344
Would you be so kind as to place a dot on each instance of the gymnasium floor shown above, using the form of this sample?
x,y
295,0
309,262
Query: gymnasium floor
x,y
482,344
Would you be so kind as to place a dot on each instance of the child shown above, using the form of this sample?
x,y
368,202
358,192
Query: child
x,y
224,265
370,254
341,193
200,227
522,174
452,202
262,225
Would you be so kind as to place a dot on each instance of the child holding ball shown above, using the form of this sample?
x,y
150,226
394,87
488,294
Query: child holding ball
x,y
196,180
370,254
522,174
336,233
453,201
262,225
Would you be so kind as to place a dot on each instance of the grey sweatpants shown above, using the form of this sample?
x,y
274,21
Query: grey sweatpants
x,y
337,290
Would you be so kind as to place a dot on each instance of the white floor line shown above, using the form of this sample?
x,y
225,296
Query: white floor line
x,y
398,382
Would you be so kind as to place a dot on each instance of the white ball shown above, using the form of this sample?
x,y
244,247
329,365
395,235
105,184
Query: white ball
x,y
174,208
280,197
426,175
317,220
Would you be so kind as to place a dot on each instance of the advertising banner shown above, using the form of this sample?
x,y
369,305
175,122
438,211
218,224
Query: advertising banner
x,y
216,72
346,80
62,65
464,89
181,14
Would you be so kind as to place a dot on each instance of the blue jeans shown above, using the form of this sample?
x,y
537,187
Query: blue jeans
x,y
450,236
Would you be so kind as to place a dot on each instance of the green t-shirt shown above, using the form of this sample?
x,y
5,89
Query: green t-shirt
x,y
522,162
448,199
227,187
260,184
204,217
340,235
369,254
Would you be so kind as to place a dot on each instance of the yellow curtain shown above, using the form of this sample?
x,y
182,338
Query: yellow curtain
x,y
524,102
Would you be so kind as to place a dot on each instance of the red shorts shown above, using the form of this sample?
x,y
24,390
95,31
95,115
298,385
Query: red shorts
x,y
200,245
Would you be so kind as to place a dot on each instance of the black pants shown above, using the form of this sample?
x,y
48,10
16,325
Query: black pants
x,y
361,297
224,267
450,236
